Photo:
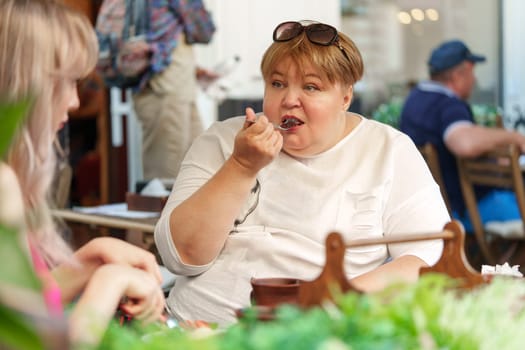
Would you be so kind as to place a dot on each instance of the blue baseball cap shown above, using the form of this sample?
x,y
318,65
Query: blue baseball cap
x,y
450,54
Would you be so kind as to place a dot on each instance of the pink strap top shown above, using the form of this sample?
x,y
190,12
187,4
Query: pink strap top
x,y
51,290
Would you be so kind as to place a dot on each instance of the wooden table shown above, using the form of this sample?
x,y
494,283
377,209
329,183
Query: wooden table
x,y
141,228
143,225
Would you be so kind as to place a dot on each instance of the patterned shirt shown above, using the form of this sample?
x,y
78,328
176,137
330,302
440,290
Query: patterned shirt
x,y
168,19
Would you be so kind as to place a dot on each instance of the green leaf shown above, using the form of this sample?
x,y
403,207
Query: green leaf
x,y
16,270
15,332
389,113
11,116
430,314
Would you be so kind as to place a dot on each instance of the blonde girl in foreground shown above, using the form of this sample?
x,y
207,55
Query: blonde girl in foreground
x,y
45,48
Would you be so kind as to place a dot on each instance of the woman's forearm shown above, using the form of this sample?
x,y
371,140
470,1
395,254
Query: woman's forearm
x,y
200,225
404,269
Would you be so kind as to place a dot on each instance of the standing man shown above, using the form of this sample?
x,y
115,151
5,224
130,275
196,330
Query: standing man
x,y
437,111
165,102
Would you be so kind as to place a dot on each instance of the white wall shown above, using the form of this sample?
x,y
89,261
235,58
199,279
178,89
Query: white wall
x,y
514,60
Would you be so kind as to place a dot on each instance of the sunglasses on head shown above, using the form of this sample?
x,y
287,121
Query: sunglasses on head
x,y
317,33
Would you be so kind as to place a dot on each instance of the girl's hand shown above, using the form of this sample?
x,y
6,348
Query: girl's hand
x,y
107,287
144,300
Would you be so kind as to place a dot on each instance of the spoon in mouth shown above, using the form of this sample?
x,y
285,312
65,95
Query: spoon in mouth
x,y
282,128
289,123
286,124
275,126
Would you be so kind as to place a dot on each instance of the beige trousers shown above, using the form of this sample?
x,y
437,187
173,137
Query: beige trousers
x,y
168,114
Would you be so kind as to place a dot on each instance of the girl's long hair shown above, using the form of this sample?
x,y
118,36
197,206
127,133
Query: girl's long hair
x,y
43,44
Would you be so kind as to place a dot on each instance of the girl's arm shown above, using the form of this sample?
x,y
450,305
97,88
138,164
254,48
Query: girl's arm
x,y
103,294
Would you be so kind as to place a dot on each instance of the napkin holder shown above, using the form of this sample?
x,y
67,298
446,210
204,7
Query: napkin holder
x,y
141,202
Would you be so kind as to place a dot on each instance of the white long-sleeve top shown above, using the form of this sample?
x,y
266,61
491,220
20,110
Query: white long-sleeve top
x,y
373,183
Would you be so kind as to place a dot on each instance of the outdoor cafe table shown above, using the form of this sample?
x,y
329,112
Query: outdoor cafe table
x,y
144,225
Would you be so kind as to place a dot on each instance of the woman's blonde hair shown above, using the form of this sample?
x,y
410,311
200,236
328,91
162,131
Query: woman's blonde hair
x,y
338,66
43,44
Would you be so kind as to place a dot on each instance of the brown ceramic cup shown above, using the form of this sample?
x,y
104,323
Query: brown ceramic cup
x,y
272,292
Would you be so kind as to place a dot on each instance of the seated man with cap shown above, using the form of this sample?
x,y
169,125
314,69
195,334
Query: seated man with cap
x,y
436,111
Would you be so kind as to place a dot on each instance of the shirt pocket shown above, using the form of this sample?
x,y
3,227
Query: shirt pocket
x,y
361,216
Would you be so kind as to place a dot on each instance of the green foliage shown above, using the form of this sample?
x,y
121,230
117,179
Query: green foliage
x,y
17,269
152,337
389,113
427,315
11,116
15,333
486,115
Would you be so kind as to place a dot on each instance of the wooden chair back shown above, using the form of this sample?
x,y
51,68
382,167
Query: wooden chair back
x,y
498,168
429,153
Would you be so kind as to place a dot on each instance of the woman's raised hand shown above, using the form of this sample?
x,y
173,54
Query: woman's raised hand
x,y
258,143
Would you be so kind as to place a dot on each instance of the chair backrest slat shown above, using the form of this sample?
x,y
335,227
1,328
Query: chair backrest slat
x,y
481,166
491,180
429,153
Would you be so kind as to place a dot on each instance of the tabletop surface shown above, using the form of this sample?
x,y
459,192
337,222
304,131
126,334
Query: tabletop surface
x,y
146,225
